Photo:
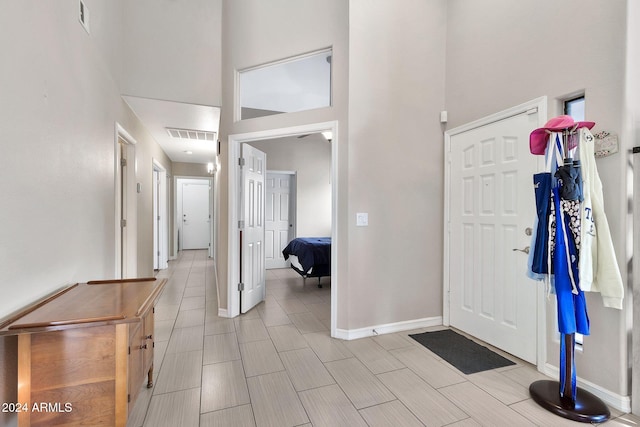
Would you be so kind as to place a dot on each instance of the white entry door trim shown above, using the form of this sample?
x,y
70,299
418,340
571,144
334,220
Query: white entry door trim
x,y
541,105
233,295
126,207
160,217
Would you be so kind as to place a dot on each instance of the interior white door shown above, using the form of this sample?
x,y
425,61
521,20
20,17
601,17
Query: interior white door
x,y
123,191
252,258
278,218
492,206
127,211
156,220
195,215
635,269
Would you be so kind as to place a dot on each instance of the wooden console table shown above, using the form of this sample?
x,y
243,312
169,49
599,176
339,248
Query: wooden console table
x,y
83,353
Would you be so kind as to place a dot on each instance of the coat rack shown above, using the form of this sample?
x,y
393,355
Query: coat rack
x,y
586,407
551,395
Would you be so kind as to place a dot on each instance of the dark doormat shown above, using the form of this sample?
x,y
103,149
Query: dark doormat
x,y
467,356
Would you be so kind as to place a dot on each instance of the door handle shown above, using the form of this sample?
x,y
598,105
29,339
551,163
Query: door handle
x,y
525,250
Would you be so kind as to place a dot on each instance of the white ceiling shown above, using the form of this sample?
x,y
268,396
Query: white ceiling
x,y
157,115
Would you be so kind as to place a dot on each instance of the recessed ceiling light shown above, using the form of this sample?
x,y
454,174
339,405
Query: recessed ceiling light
x,y
328,135
188,152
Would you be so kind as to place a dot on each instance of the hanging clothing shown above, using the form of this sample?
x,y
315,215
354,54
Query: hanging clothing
x,y
572,213
542,240
570,177
579,249
542,187
572,306
598,267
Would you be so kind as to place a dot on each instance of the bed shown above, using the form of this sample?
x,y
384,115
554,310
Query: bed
x,y
310,256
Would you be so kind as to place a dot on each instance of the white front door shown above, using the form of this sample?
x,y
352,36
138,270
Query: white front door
x,y
195,215
491,208
278,218
252,258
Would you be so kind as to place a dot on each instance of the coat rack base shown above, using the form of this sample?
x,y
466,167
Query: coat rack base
x,y
587,408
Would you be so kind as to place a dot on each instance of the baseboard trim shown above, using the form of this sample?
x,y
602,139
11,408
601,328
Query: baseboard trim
x,y
619,402
222,312
388,328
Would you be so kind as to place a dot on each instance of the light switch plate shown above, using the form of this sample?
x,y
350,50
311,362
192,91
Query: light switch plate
x,y
362,219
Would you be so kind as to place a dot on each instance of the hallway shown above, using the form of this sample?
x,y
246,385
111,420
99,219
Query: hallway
x,y
277,366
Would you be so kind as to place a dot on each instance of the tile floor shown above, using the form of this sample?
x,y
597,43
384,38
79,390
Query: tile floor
x,y
278,366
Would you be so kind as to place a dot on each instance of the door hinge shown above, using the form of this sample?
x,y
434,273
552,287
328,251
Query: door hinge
x,y
241,224
123,162
241,286
129,350
635,150
123,223
128,398
241,161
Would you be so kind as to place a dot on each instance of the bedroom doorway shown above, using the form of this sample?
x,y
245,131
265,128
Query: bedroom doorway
x,y
234,184
490,209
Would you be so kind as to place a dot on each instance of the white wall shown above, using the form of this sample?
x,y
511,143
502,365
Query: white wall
x,y
173,50
60,103
256,32
389,164
522,50
396,91
310,158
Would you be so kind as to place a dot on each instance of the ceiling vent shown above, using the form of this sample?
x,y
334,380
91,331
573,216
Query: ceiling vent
x,y
198,135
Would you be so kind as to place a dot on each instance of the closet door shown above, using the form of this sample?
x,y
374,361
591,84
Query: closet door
x,y
278,217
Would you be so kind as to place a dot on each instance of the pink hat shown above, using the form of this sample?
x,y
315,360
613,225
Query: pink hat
x,y
539,137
